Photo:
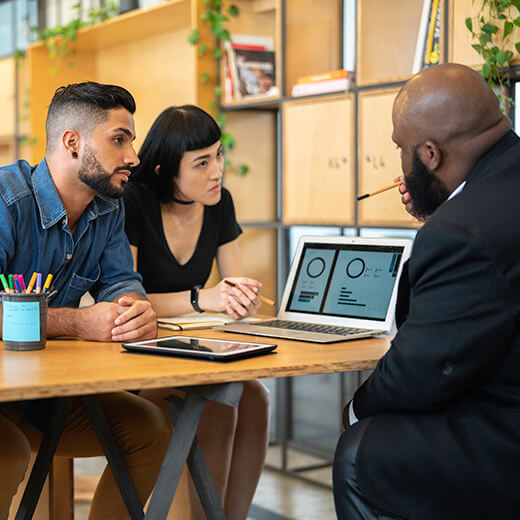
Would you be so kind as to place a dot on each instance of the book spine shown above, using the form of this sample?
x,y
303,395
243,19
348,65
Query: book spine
x,y
246,47
333,74
421,37
433,48
321,87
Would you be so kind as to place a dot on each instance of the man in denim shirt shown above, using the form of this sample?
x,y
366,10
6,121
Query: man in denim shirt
x,y
65,216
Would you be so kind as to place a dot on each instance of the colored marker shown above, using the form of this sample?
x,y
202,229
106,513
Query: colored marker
x,y
18,285
38,283
22,283
48,281
4,283
31,283
11,282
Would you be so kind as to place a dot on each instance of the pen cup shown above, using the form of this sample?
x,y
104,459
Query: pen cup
x,y
24,321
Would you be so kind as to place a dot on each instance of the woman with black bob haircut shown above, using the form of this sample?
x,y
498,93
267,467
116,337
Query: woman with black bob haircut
x,y
179,219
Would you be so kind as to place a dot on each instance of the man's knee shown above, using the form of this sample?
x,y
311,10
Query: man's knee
x,y
15,454
136,422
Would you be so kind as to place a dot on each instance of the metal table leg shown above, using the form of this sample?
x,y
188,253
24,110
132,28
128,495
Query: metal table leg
x,y
184,447
43,460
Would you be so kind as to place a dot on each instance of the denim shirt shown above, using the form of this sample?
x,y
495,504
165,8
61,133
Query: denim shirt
x,y
35,237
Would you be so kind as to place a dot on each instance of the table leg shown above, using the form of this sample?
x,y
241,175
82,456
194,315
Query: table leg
x,y
113,455
43,460
184,447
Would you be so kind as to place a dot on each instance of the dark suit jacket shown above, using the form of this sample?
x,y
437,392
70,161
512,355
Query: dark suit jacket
x,y
444,439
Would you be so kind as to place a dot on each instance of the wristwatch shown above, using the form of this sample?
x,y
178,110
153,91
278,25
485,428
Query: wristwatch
x,y
194,297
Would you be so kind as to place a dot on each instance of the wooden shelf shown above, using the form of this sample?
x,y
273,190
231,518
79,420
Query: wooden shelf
x,y
312,39
134,25
386,39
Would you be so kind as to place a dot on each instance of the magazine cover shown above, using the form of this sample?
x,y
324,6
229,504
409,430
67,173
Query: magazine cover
x,y
256,72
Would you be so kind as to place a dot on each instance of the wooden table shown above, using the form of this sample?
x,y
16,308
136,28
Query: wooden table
x,y
70,367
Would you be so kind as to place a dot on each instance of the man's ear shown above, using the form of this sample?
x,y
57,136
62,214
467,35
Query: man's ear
x,y
157,169
430,155
71,140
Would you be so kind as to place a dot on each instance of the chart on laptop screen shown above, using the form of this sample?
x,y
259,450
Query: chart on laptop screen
x,y
345,280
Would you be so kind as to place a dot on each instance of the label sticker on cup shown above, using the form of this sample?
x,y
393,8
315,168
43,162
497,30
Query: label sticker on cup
x,y
21,321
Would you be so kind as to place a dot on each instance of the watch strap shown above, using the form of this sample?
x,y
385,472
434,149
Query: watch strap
x,y
194,297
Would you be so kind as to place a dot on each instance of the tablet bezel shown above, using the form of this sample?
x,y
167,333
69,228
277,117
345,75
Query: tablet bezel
x,y
152,346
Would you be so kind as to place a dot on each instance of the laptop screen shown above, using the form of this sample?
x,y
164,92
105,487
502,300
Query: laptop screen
x,y
345,280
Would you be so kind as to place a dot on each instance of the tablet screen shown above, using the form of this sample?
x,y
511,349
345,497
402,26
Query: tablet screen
x,y
199,347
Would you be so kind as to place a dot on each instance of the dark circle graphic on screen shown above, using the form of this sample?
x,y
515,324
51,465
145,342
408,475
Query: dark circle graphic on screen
x,y
316,267
355,268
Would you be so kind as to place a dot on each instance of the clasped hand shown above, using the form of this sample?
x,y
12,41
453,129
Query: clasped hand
x,y
124,320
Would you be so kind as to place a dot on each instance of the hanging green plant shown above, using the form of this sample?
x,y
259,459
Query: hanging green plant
x,y
215,16
60,39
492,28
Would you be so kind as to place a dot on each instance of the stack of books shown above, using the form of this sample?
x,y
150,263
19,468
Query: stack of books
x,y
249,67
333,81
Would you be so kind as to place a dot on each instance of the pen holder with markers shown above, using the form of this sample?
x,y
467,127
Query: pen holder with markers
x,y
24,320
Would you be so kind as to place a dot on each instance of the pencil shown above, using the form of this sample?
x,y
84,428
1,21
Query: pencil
x,y
366,195
260,297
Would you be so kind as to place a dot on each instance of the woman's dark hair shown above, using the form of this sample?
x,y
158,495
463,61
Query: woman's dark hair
x,y
175,131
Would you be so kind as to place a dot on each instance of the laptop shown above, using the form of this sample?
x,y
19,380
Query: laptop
x,y
339,288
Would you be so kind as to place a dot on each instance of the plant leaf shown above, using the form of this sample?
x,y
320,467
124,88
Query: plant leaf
x,y
469,24
217,53
204,77
194,36
244,169
233,10
501,58
486,70
489,28
508,29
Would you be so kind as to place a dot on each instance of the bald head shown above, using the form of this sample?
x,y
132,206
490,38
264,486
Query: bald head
x,y
446,103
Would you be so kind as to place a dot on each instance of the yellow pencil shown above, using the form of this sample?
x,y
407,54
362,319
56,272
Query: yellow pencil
x,y
366,195
260,297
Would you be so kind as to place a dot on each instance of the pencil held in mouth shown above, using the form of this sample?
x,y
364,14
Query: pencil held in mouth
x,y
366,195
260,297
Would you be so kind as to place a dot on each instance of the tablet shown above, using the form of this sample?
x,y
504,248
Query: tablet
x,y
202,348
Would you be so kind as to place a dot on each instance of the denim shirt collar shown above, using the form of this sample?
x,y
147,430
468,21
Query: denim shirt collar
x,y
49,202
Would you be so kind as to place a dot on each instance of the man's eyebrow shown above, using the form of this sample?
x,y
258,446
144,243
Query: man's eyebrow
x,y
126,131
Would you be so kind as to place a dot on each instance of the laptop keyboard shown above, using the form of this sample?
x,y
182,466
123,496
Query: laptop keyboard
x,y
310,327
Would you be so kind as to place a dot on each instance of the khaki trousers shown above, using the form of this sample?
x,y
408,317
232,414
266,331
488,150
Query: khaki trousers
x,y
141,432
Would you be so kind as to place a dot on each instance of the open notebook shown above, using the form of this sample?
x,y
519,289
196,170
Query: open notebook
x,y
196,321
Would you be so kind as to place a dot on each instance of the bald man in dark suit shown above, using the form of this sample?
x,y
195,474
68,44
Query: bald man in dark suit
x,y
434,433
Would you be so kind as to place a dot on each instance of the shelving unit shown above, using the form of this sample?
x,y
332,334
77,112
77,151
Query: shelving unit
x,y
308,157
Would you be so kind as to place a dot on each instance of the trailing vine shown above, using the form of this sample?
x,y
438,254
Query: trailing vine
x,y
492,28
60,39
216,18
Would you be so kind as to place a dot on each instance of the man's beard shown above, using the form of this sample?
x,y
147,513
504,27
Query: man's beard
x,y
96,177
426,191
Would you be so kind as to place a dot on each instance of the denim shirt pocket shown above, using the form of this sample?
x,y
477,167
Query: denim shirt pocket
x,y
79,285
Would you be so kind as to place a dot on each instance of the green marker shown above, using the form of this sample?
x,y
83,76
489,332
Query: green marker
x,y
11,282
4,282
